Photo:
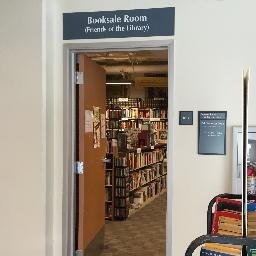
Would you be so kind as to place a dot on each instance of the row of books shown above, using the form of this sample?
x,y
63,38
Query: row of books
x,y
161,125
130,113
139,160
121,202
220,250
121,182
121,213
113,124
153,113
112,146
115,113
108,178
121,141
130,124
144,176
224,250
123,102
134,124
136,113
160,137
145,193
121,172
132,138
138,102
154,103
121,192
108,211
119,113
121,161
108,194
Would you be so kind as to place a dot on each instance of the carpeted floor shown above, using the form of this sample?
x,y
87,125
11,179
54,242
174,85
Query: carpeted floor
x,y
142,234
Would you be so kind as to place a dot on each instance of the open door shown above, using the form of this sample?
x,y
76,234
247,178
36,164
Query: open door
x,y
91,150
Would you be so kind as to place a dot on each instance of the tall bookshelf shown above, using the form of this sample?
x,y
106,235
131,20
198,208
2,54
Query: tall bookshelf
x,y
139,130
109,186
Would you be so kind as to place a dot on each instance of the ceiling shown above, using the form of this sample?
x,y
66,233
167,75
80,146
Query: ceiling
x,y
136,62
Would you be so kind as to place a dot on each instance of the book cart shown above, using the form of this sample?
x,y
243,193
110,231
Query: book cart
x,y
231,218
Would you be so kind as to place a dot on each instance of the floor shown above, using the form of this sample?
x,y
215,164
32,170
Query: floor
x,y
142,234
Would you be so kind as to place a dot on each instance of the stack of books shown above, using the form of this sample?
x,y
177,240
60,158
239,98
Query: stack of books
x,y
220,250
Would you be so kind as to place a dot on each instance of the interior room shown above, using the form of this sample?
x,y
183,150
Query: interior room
x,y
132,133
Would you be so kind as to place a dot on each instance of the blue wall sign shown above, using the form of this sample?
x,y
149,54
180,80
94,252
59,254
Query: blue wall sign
x,y
119,24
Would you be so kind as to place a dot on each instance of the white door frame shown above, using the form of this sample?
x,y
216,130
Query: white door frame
x,y
70,50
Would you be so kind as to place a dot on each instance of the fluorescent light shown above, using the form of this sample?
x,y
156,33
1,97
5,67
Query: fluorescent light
x,y
113,83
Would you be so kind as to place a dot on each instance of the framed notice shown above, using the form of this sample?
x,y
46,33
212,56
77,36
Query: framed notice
x,y
212,132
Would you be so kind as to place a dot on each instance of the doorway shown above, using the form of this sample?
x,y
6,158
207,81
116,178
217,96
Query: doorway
x,y
123,88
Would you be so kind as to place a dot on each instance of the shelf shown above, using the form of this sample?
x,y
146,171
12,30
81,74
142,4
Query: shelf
x,y
139,168
151,199
159,145
148,182
154,119
108,185
121,117
109,169
113,118
128,118
108,202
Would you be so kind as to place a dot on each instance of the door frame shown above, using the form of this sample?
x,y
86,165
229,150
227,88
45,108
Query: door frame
x,y
69,60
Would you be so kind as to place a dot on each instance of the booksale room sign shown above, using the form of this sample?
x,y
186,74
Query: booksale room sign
x,y
119,24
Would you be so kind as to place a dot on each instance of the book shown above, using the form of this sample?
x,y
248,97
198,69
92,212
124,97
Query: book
x,y
225,248
207,252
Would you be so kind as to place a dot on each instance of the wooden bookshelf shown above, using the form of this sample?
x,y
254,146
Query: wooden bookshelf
x,y
109,192
145,184
139,127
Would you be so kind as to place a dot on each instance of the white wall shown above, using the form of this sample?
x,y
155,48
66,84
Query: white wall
x,y
80,5
22,173
214,42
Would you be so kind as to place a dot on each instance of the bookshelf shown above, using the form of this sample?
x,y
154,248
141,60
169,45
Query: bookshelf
x,y
137,137
109,188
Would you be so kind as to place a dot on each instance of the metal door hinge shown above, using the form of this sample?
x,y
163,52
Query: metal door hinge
x,y
79,167
79,77
79,253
